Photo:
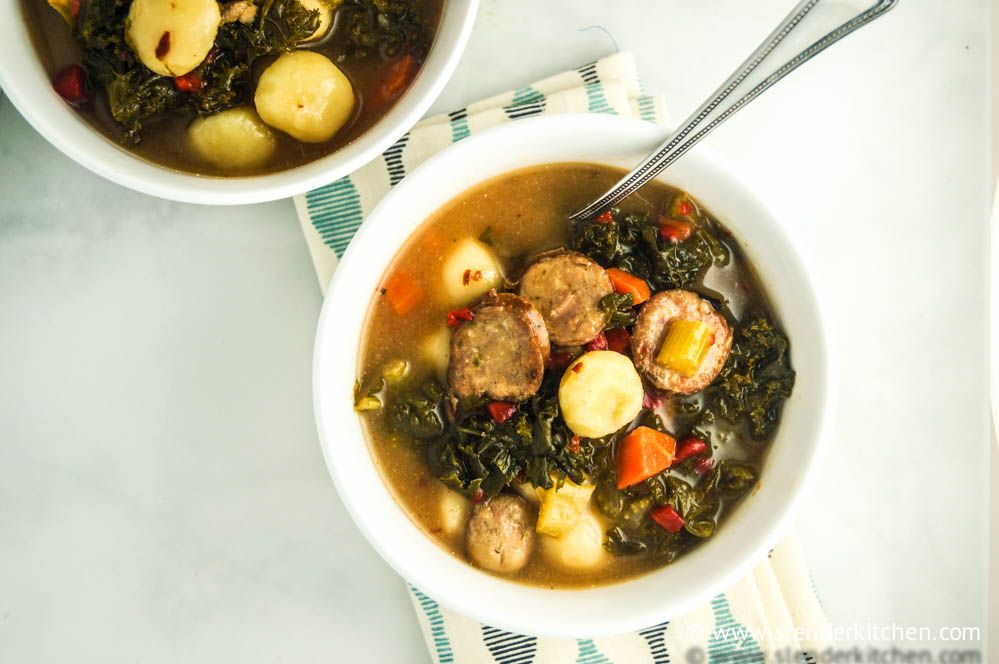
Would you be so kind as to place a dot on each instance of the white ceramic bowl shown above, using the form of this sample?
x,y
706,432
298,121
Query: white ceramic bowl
x,y
661,595
29,87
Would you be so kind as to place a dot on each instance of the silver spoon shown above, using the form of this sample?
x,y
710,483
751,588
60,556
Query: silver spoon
x,y
810,28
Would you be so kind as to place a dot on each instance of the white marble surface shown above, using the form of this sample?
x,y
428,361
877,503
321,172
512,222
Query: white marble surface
x,y
162,493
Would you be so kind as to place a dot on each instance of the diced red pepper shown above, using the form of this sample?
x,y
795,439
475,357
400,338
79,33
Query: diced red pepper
x,y
675,230
560,360
191,82
704,465
684,208
599,342
74,8
501,411
667,517
456,316
479,495
690,447
618,340
605,218
574,444
71,84
652,401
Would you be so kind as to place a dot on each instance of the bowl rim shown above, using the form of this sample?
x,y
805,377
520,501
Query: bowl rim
x,y
27,85
462,587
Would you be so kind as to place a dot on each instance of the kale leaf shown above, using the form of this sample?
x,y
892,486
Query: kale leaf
x,y
388,28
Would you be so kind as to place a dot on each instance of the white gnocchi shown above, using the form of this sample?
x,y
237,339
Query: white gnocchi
x,y
172,37
600,392
305,95
581,548
453,511
234,139
469,271
436,349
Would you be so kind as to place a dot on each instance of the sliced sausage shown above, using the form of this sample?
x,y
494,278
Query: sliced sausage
x,y
566,287
501,352
500,535
650,332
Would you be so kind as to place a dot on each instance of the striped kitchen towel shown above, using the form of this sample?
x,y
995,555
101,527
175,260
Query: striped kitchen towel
x,y
773,610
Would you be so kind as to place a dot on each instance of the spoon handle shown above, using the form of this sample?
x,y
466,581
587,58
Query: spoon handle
x,y
810,28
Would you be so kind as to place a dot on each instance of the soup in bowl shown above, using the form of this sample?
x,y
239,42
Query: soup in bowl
x,y
228,102
550,418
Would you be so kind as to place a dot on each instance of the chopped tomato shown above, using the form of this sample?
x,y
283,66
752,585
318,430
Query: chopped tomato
x,y
684,208
456,316
501,411
191,82
71,84
560,360
675,230
618,340
574,444
597,343
667,517
605,218
643,453
479,495
397,79
403,293
690,447
624,282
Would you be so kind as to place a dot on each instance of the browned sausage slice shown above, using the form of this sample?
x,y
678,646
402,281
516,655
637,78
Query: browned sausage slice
x,y
566,287
650,331
501,352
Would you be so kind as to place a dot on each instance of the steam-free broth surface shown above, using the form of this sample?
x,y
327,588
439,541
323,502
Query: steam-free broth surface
x,y
517,216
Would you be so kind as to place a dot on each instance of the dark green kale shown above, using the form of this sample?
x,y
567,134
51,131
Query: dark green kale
x,y
632,243
417,413
619,310
387,28
756,379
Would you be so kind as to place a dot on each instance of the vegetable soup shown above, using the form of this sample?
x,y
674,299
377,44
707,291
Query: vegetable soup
x,y
570,404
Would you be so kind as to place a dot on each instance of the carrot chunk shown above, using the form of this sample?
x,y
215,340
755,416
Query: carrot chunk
x,y
629,283
644,453
399,75
403,293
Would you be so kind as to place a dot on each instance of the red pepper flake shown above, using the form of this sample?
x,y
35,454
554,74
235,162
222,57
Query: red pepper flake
x,y
667,517
559,360
501,411
479,495
191,82
574,445
684,208
163,46
456,316
74,8
675,230
618,340
577,367
71,84
605,218
466,277
703,466
599,342
690,447
652,401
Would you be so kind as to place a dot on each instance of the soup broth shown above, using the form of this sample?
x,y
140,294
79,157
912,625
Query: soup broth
x,y
515,217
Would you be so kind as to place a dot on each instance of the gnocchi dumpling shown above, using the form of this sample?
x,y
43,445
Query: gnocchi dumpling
x,y
305,95
233,139
453,511
600,393
470,271
325,9
581,548
436,349
172,37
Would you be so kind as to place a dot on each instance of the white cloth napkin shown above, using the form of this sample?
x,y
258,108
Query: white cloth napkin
x,y
773,610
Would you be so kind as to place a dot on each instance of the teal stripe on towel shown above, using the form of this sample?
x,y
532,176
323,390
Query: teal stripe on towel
x,y
335,211
588,653
442,645
647,108
731,642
